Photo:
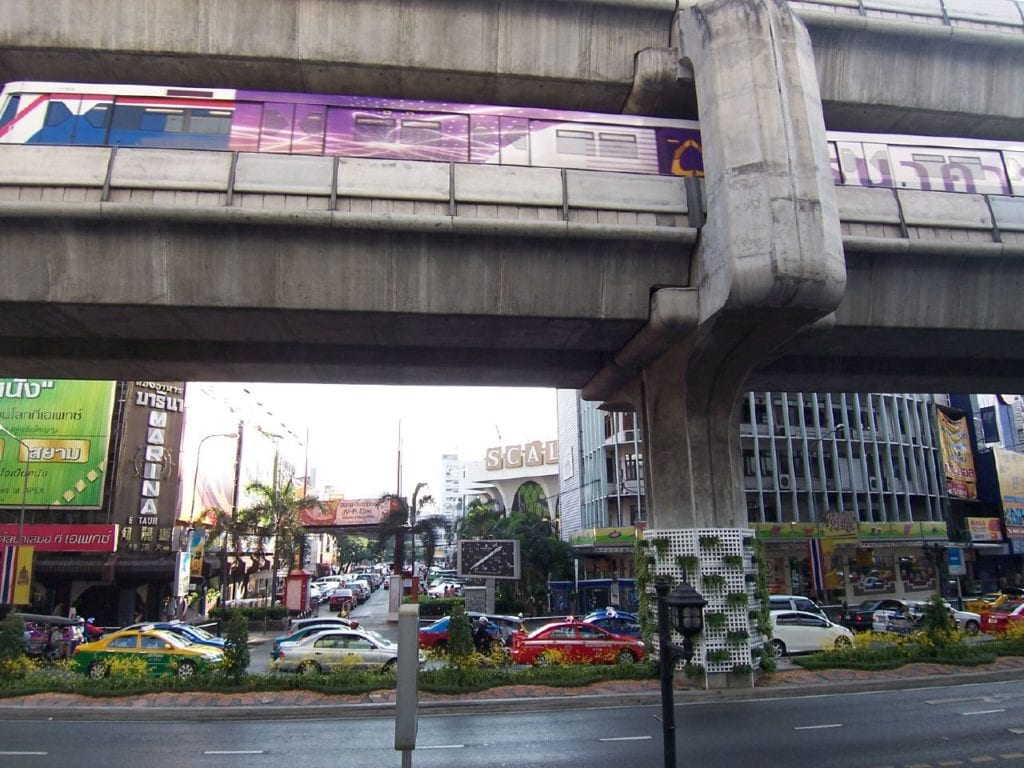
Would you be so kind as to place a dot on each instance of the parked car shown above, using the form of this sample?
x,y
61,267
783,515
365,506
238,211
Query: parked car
x,y
615,621
164,653
994,599
966,621
574,642
339,649
188,631
795,603
1002,618
908,615
295,635
861,617
803,632
342,599
435,636
360,587
326,621
445,587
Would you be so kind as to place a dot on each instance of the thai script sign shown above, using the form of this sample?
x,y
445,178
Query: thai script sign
x,y
57,433
1010,468
957,459
984,528
61,538
346,512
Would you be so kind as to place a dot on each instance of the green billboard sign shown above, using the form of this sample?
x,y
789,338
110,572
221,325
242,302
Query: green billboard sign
x,y
54,438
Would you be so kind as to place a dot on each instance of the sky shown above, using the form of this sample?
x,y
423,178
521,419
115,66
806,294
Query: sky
x,y
353,431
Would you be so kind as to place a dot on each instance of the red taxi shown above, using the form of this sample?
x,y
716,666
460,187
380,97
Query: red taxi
x,y
999,619
575,642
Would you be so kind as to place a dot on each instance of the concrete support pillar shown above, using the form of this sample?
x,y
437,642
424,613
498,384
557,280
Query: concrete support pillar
x,y
769,262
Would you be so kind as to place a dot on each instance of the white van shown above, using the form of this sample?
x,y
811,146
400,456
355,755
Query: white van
x,y
795,603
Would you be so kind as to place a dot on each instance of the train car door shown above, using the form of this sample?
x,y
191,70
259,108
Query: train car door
x,y
276,127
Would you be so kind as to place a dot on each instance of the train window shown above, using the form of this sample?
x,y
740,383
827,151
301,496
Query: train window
x,y
129,117
212,121
312,124
56,113
98,116
618,145
575,143
10,110
274,121
369,129
421,132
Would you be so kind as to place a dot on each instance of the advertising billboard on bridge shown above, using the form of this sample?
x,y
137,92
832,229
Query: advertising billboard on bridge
x,y
345,512
58,432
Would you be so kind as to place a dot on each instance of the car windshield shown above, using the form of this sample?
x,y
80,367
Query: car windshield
x,y
173,639
201,633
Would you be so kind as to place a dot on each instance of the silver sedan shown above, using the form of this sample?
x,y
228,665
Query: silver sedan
x,y
339,648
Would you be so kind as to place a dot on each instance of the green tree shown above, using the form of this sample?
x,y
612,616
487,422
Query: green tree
x,y
480,520
405,519
236,645
277,512
352,549
460,633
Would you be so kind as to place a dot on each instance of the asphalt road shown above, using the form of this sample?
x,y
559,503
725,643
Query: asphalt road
x,y
960,725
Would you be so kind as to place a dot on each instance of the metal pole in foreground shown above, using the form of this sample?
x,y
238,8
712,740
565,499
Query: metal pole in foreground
x,y
666,662
406,695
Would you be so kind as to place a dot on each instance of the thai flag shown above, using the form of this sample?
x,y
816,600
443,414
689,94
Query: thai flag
x,y
817,561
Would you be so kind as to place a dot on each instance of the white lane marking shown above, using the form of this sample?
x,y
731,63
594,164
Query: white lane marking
x,y
627,738
23,753
983,712
1018,731
443,746
813,727
233,752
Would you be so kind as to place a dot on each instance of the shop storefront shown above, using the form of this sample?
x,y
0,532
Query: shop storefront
x,y
866,560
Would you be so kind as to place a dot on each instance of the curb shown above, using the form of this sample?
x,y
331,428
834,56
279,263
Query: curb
x,y
267,706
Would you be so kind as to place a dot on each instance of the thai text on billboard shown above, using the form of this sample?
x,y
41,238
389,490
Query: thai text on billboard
x,y
957,459
346,512
61,538
1010,468
58,433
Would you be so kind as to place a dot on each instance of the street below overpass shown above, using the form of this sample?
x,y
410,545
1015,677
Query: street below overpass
x,y
945,727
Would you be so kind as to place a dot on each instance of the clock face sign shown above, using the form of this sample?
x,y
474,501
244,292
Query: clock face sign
x,y
490,558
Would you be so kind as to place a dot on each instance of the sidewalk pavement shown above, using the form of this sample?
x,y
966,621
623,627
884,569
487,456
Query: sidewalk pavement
x,y
789,680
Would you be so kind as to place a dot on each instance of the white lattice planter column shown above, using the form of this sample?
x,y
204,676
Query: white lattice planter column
x,y
718,563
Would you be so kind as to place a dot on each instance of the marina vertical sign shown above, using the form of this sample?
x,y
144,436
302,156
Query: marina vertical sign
x,y
148,481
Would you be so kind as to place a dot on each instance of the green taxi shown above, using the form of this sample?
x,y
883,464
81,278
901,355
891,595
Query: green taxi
x,y
164,653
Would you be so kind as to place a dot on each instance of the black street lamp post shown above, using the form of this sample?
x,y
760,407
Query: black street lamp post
x,y
687,608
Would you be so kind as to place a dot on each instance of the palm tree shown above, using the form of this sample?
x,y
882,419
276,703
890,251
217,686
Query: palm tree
x,y
277,510
402,520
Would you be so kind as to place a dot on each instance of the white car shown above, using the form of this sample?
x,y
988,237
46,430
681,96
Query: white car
x,y
438,589
898,621
338,649
802,632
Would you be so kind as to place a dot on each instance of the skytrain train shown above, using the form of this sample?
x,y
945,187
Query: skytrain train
x,y
403,129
